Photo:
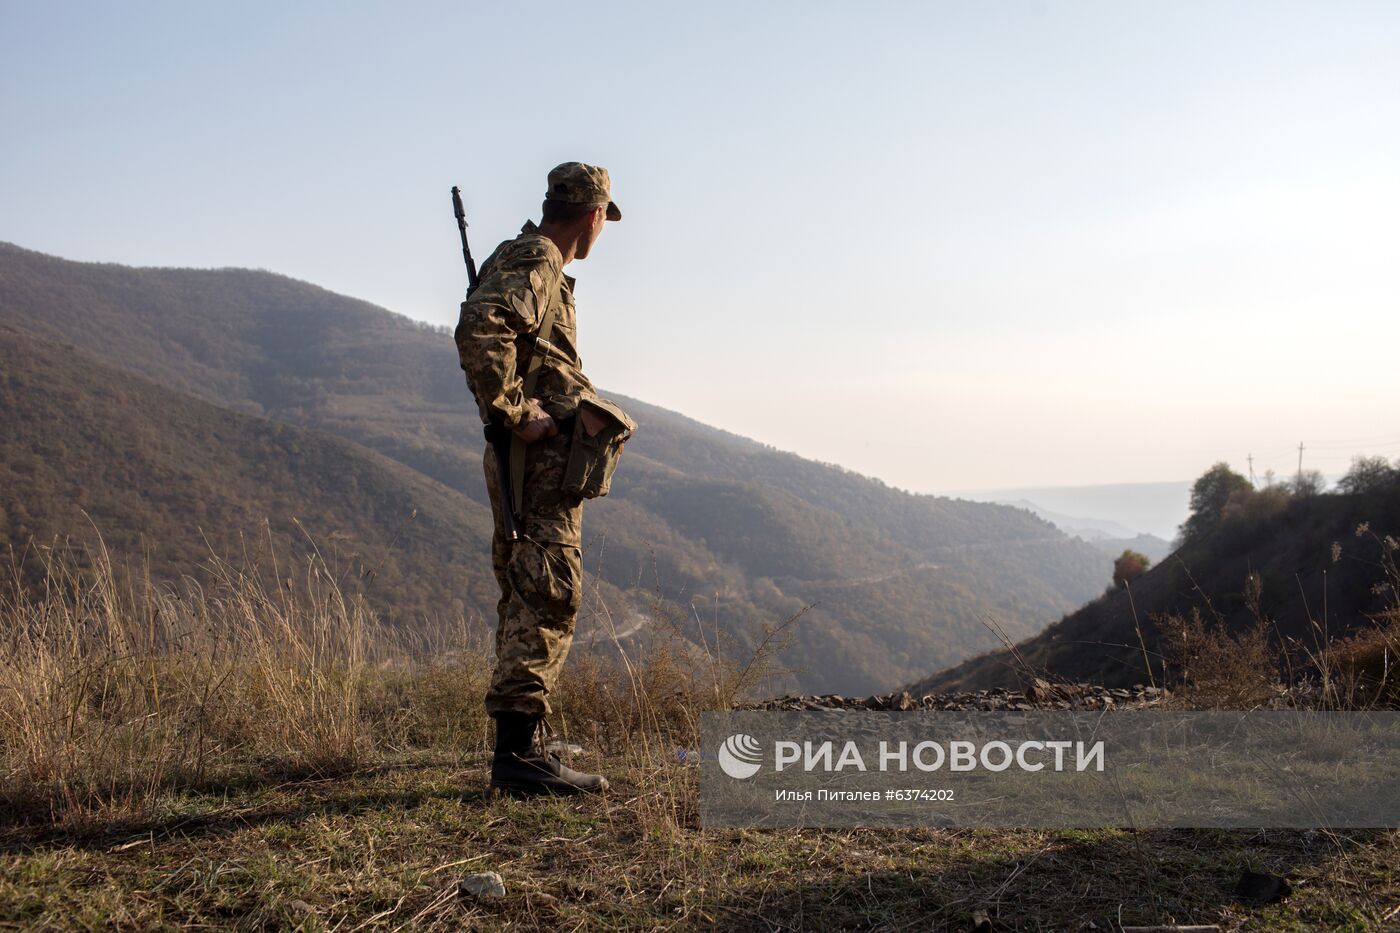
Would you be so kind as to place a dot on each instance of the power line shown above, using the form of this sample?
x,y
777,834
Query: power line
x,y
1375,438
1372,445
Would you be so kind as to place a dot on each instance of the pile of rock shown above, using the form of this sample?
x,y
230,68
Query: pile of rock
x,y
1039,695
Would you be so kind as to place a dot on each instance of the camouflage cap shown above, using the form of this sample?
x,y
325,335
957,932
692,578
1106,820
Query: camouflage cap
x,y
578,183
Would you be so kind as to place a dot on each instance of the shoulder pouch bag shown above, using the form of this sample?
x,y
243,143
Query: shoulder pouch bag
x,y
593,460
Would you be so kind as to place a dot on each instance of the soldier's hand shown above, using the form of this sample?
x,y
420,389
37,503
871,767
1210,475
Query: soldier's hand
x,y
538,426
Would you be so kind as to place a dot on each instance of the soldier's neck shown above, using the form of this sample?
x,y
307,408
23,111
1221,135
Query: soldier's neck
x,y
564,238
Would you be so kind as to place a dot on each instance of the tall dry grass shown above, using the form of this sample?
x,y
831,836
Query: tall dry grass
x,y
1363,669
639,702
116,689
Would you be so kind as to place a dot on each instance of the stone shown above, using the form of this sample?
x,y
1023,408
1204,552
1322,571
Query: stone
x,y
1261,887
482,884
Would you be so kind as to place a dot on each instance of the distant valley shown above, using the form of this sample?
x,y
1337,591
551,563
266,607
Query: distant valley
x,y
1105,534
1120,509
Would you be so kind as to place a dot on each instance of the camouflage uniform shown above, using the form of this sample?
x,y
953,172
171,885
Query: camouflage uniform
x,y
540,576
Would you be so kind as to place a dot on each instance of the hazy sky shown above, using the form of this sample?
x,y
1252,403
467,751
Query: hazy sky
x,y
952,245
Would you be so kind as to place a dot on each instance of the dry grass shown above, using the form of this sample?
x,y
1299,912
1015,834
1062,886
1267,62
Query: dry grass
x,y
1221,670
1363,667
1258,667
231,753
114,689
1366,666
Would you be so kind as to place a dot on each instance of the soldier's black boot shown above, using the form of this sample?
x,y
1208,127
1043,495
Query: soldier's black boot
x,y
522,766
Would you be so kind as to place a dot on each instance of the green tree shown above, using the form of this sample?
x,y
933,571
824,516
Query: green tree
x,y
1367,474
1129,566
1209,494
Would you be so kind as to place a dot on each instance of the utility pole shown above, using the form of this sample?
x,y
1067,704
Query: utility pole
x,y
1250,458
1300,464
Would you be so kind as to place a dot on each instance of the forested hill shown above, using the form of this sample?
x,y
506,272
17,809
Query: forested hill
x,y
1313,576
701,519
86,448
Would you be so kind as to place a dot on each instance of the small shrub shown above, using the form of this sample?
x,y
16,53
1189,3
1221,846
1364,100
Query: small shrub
x,y
1220,670
1128,567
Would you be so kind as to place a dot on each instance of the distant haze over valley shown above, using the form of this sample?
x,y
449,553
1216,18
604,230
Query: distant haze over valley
x,y
1138,508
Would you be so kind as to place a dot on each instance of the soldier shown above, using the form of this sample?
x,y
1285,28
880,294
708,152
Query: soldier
x,y
541,574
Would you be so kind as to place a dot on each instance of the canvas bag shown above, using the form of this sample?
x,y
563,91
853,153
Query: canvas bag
x,y
593,459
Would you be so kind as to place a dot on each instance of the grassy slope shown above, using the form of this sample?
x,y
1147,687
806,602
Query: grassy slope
x,y
386,846
1291,551
900,583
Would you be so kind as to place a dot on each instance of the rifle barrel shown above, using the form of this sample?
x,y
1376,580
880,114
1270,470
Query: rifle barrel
x,y
461,213
496,434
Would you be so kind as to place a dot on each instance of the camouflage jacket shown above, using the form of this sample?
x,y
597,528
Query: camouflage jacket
x,y
495,333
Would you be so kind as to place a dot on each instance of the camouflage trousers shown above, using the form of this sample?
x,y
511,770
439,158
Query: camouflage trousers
x,y
541,580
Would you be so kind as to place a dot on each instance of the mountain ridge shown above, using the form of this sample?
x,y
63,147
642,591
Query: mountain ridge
x,y
697,513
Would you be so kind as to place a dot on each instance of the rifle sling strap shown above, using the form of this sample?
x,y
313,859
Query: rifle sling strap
x,y
532,375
